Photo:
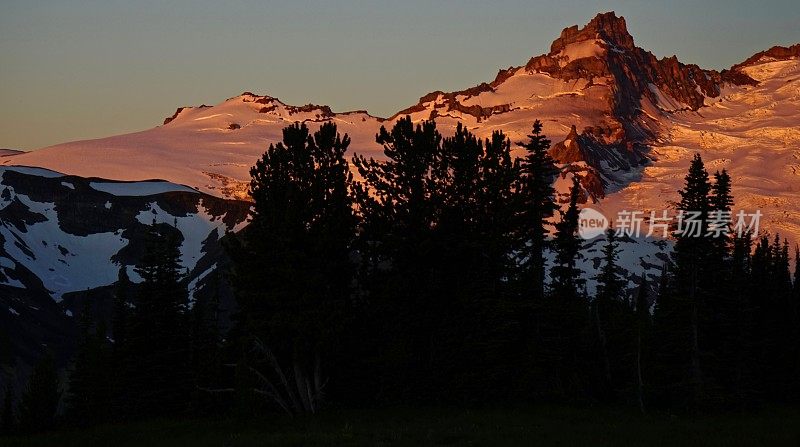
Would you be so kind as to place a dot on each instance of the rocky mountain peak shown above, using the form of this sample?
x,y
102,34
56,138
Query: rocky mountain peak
x,y
606,26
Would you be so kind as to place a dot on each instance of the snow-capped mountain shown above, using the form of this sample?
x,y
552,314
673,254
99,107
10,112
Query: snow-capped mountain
x,y
64,239
623,120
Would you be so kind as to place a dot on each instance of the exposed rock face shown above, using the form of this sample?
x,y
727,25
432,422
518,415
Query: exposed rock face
x,y
448,102
568,151
321,113
632,69
169,119
778,53
9,152
590,157
606,26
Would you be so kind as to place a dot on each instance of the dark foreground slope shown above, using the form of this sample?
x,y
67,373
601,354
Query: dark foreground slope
x,y
415,426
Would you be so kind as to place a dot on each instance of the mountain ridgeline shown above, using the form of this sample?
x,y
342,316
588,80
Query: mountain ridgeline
x,y
429,257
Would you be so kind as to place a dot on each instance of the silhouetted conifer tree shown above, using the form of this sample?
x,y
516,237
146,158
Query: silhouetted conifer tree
x,y
158,371
538,205
292,271
39,402
608,318
89,391
643,328
7,418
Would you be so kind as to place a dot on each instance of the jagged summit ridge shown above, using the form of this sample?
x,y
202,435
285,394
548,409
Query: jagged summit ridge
x,y
606,26
614,103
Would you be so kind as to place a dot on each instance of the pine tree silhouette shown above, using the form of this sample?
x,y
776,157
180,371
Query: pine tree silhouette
x,y
7,418
39,401
89,391
158,352
538,204
291,266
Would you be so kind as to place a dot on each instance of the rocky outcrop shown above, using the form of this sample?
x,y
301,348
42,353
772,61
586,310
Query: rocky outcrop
x,y
606,26
447,102
169,119
776,53
9,152
594,160
568,151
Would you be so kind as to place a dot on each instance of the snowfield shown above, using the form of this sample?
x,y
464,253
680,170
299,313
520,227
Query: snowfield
x,y
65,249
641,153
753,132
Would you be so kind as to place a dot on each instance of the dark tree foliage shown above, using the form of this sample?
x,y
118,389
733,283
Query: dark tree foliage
x,y
774,327
561,316
39,402
567,283
89,392
643,327
6,352
538,204
611,318
400,202
121,361
7,418
424,281
157,376
206,346
437,238
678,313
292,267
796,281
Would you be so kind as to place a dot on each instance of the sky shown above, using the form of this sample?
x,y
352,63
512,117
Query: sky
x,y
80,69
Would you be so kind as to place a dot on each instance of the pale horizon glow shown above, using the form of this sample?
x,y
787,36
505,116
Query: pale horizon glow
x,y
90,68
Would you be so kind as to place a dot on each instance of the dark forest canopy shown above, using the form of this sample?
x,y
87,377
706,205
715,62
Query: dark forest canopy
x,y
422,282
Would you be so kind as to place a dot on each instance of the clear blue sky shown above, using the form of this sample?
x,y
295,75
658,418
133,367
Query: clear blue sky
x,y
85,69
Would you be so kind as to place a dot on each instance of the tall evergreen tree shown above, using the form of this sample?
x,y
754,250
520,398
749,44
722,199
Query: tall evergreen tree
x,y
691,251
721,311
90,379
122,363
642,324
439,260
7,419
6,350
400,201
564,317
609,284
796,282
538,204
775,325
158,351
678,315
39,402
207,343
292,268
566,277
606,309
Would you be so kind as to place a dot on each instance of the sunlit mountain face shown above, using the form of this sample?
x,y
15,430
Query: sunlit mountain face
x,y
623,121
627,121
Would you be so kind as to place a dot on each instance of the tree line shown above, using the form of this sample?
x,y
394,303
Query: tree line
x,y
423,279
